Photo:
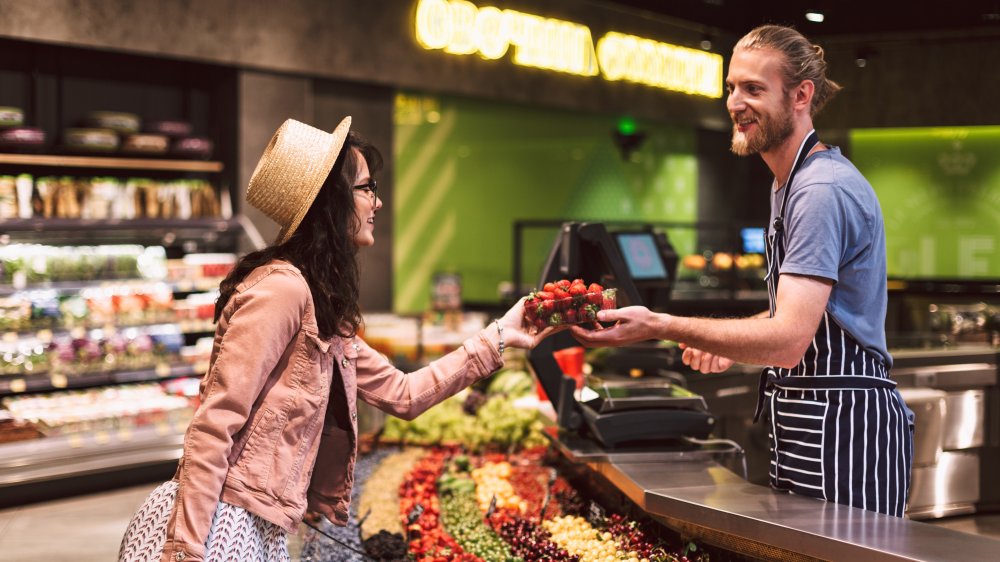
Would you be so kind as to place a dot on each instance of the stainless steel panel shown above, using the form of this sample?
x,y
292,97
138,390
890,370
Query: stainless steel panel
x,y
949,488
964,419
694,494
928,410
963,375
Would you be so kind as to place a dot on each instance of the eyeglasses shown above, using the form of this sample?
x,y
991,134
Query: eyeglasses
x,y
371,188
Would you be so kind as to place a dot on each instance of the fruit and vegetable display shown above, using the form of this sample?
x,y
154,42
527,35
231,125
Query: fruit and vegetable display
x,y
566,302
485,486
477,419
442,504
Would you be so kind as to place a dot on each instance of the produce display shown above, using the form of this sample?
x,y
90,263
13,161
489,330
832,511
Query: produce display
x,y
567,302
468,496
477,420
441,515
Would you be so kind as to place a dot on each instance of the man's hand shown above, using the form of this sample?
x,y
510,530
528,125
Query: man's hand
x,y
632,324
703,361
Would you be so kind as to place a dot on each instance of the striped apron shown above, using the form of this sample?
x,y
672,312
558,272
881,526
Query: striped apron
x,y
838,429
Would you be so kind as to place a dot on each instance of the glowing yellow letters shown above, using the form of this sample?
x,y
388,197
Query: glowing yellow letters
x,y
460,27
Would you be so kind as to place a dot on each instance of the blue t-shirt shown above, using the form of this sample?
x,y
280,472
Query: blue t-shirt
x,y
834,229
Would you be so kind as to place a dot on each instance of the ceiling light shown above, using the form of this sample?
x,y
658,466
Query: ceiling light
x,y
814,16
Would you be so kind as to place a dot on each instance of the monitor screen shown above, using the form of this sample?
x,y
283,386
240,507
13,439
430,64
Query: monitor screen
x,y
753,240
642,256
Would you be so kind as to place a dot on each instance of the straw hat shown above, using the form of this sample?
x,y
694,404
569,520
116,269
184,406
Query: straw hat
x,y
292,169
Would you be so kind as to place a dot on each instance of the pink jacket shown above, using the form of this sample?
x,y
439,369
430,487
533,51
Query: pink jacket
x,y
278,401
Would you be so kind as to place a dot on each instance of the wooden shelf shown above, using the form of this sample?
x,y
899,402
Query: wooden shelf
x,y
109,163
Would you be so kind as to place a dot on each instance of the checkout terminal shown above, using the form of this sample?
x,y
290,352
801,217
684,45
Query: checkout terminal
x,y
618,413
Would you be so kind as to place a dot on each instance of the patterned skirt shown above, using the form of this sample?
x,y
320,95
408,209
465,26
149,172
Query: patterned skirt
x,y
236,534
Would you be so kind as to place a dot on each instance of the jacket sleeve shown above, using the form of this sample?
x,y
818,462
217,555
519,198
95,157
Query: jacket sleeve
x,y
407,395
262,320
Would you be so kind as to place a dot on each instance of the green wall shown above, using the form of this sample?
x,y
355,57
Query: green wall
x,y
466,170
940,194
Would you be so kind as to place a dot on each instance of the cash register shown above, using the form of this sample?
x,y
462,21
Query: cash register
x,y
617,413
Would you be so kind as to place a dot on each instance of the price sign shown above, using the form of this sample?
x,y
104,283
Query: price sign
x,y
595,514
414,514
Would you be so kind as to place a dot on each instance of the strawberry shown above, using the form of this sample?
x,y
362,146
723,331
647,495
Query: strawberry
x,y
563,284
545,295
607,303
555,319
595,298
549,287
560,294
595,288
571,316
540,323
579,289
547,306
577,282
589,312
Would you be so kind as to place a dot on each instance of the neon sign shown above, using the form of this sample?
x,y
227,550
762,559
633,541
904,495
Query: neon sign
x,y
459,27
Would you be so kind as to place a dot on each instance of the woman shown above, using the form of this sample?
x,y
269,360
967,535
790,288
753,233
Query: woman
x,y
288,367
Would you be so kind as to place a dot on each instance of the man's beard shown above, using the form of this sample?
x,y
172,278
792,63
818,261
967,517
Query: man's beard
x,y
771,132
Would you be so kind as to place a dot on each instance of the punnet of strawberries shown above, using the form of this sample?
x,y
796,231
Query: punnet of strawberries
x,y
567,302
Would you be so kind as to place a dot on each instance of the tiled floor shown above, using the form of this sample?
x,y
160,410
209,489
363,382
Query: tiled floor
x,y
89,528
80,529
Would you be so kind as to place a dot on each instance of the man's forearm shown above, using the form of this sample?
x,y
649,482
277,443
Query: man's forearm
x,y
758,340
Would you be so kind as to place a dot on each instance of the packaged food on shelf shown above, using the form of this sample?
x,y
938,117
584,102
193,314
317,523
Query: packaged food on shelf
x,y
91,140
193,147
117,121
108,408
22,139
13,429
170,128
25,264
11,116
145,143
8,197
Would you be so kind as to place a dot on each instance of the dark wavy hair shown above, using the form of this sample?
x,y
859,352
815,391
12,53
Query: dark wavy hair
x,y
322,247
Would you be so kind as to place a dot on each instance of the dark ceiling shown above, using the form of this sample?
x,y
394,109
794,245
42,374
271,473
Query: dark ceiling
x,y
843,17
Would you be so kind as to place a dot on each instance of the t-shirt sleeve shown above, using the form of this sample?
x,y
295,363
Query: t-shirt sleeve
x,y
815,232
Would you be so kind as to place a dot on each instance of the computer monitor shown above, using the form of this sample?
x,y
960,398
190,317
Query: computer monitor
x,y
652,264
753,240
641,255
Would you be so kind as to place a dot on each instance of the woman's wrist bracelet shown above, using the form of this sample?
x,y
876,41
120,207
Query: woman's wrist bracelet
x,y
500,347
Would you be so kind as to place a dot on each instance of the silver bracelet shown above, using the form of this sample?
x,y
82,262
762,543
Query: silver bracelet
x,y
500,348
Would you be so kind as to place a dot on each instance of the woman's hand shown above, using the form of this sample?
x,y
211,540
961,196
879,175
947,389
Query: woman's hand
x,y
703,361
632,324
518,333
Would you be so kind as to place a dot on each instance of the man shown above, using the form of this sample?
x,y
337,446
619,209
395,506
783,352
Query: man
x,y
838,429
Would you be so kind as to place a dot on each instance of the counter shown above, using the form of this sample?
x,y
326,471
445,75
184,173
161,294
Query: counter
x,y
694,493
